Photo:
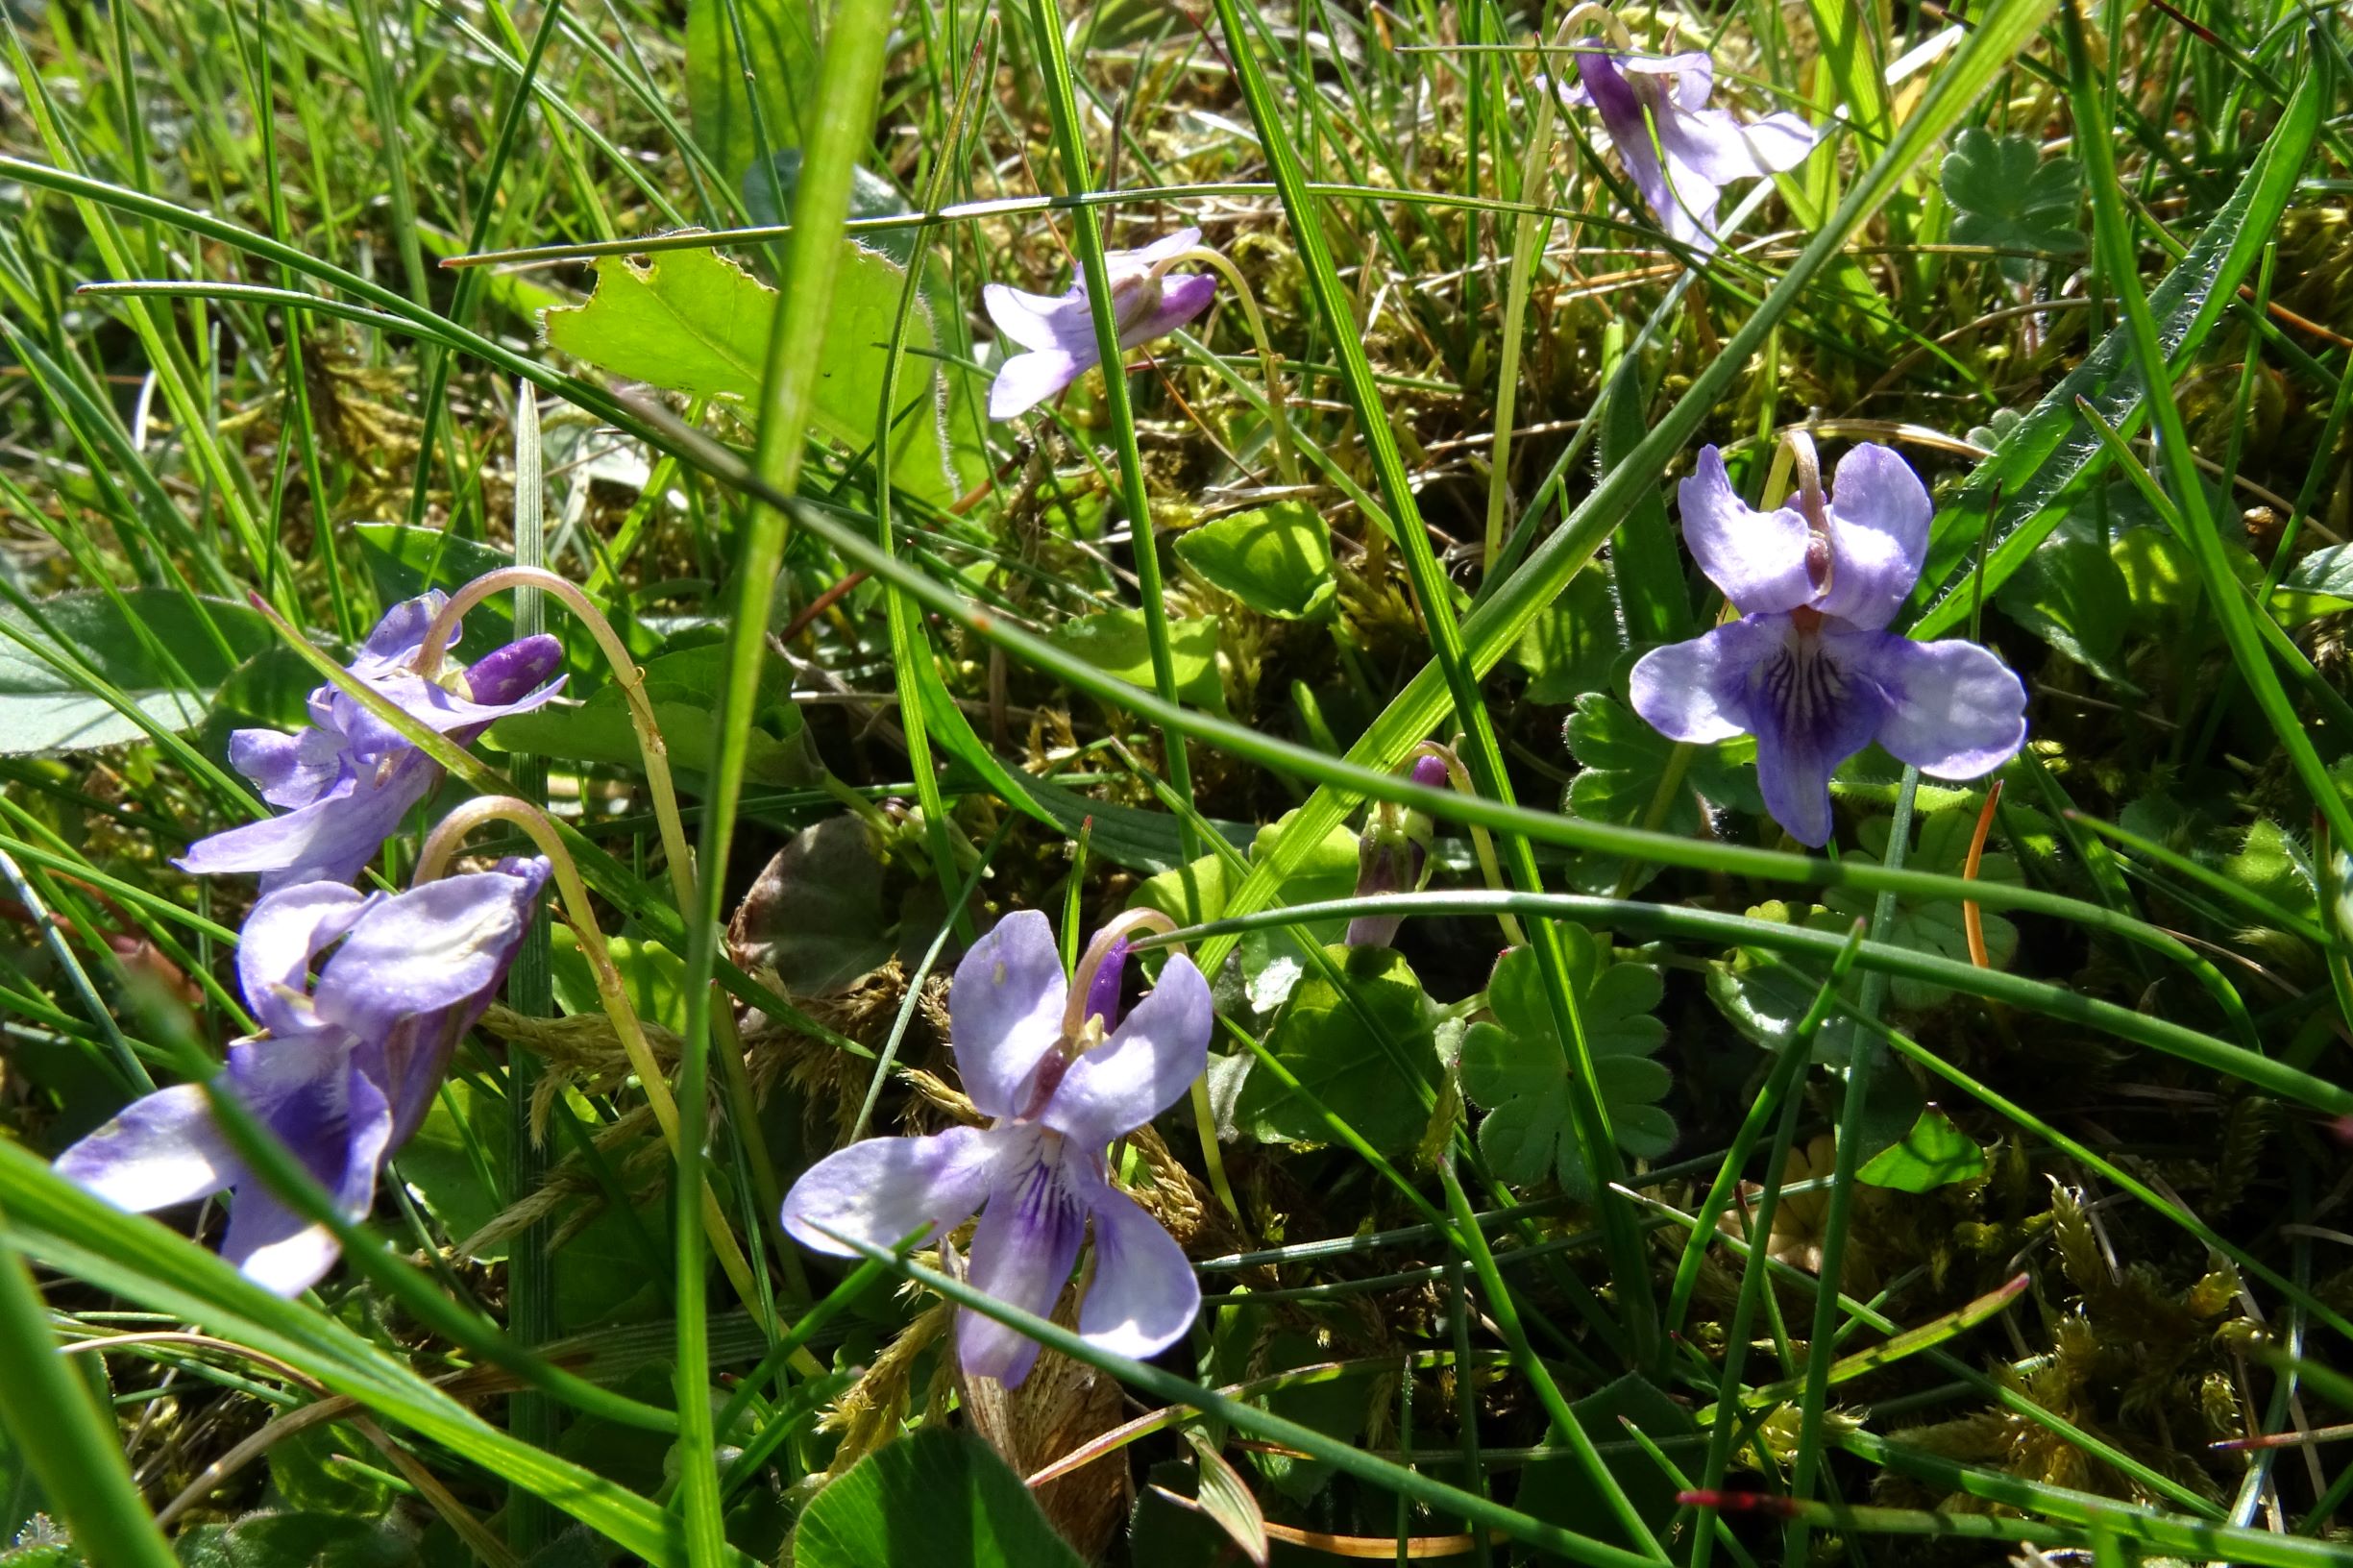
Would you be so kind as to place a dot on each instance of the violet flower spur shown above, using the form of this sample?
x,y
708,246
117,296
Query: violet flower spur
x,y
1037,1058
345,1070
1059,329
1810,668
1705,149
348,778
1393,855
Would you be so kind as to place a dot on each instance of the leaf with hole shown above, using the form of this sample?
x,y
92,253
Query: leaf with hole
x,y
695,322
1516,1066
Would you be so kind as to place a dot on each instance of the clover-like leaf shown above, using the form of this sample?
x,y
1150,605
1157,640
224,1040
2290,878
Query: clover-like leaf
x,y
1635,776
1516,1067
2005,194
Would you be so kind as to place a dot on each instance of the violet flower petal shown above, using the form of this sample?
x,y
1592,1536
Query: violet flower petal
x,y
283,933
399,634
882,1189
1878,517
512,674
1022,1252
1810,711
331,840
429,949
1184,295
1954,710
1698,690
289,771
336,1122
1027,379
1005,1012
1104,986
1144,1069
1757,558
160,1150
1144,1294
1040,321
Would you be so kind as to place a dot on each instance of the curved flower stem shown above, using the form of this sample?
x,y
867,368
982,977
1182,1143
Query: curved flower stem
x,y
625,674
1082,975
1612,27
1287,458
434,858
1490,867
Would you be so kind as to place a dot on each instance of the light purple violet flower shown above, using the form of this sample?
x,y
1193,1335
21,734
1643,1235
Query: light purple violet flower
x,y
1392,852
1060,1091
1705,147
345,1069
1059,329
348,778
1810,669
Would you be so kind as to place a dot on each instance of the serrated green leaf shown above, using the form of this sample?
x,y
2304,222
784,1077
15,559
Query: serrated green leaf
x,y
1276,559
2005,195
1518,1068
1626,776
695,322
1934,926
1328,1047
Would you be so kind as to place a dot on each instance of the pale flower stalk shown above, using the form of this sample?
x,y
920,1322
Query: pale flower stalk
x,y
1060,1082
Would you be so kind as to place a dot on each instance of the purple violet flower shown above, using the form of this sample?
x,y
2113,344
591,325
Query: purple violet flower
x,y
1059,329
344,1072
1060,1091
1810,668
1705,147
1392,853
348,778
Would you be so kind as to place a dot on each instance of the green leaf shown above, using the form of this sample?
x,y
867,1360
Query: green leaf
x,y
1276,559
1573,643
2319,584
695,322
1626,774
1516,1067
685,691
871,196
2004,195
1560,1491
151,644
1114,642
783,72
1336,1057
1935,926
2037,466
2071,594
814,915
301,1470
297,1540
1933,1153
938,1500
1195,892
